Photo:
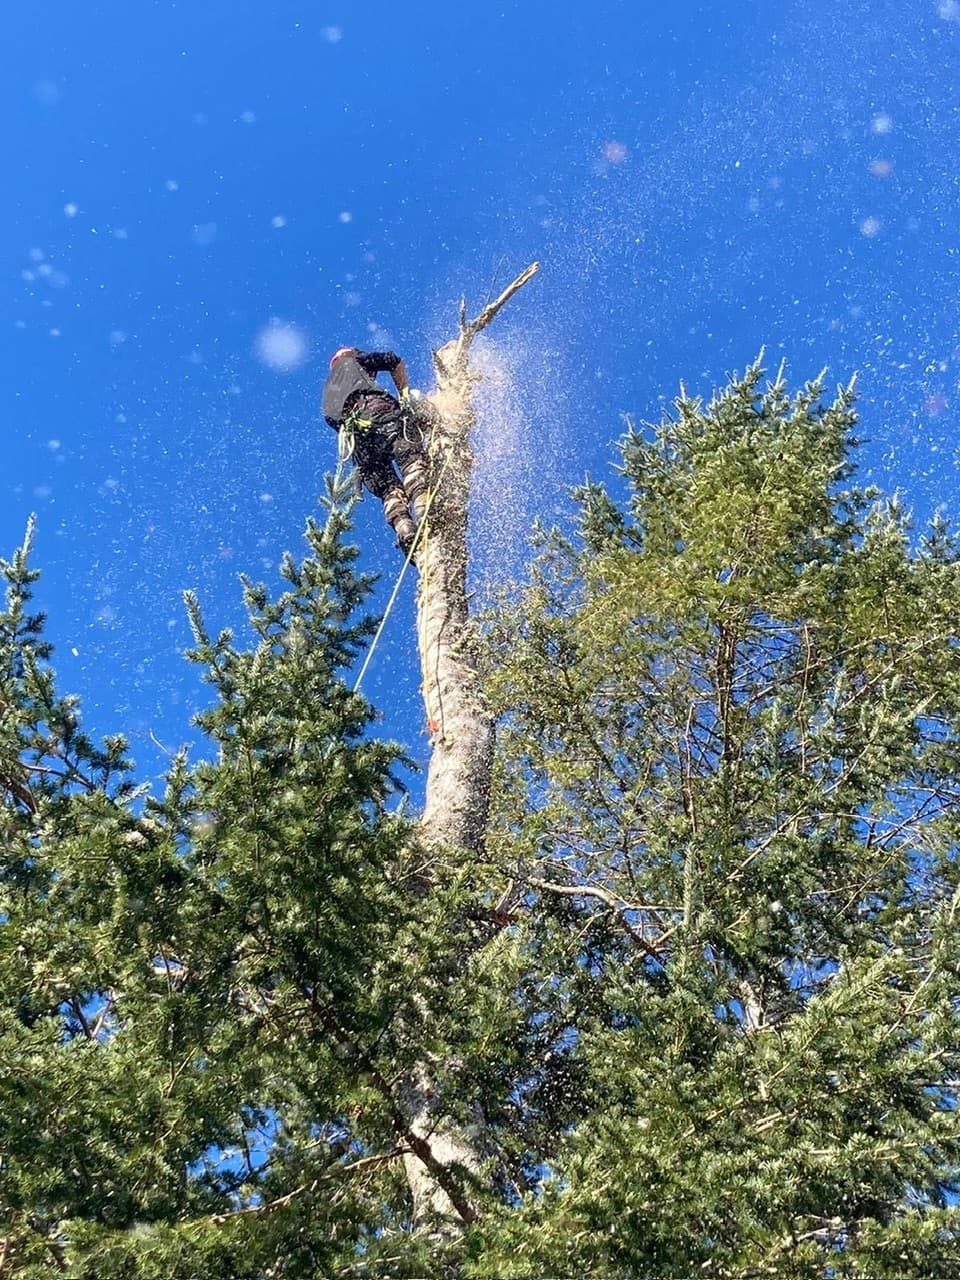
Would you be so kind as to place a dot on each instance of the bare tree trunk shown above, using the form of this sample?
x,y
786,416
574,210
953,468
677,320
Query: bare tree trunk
x,y
458,781
459,773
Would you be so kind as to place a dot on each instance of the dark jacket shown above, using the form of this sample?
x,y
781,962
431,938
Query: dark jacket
x,y
352,378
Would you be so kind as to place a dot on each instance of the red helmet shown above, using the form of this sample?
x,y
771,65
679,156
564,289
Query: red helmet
x,y
342,351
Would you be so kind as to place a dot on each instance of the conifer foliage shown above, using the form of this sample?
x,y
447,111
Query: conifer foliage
x,y
733,703
694,1000
210,999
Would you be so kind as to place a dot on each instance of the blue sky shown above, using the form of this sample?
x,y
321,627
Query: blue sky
x,y
204,198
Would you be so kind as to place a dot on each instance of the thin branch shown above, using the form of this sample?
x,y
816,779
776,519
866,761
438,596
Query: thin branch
x,y
343,1171
451,360
595,891
491,309
620,909
77,1011
109,1008
21,793
504,900
269,1207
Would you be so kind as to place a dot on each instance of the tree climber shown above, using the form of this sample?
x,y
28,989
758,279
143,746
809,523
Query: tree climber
x,y
386,433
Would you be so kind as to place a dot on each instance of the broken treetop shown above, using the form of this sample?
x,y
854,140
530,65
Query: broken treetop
x,y
352,375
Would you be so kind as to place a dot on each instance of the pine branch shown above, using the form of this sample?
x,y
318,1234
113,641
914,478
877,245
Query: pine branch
x,y
365,1164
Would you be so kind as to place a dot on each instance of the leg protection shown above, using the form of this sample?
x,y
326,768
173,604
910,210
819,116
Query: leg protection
x,y
395,505
415,471
414,467
396,509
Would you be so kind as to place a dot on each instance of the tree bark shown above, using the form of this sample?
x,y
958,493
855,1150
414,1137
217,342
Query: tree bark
x,y
458,778
459,773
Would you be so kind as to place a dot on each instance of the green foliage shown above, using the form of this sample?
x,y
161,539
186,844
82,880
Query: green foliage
x,y
210,999
733,704
697,1009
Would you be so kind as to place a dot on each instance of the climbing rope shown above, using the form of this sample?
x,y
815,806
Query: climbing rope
x,y
346,445
421,525
345,442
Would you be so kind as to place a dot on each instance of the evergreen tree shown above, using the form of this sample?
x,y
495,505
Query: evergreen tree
x,y
688,1005
729,763
212,1001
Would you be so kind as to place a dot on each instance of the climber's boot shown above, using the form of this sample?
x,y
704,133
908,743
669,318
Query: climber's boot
x,y
406,532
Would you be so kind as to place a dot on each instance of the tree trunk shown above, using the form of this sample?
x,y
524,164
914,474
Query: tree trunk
x,y
458,777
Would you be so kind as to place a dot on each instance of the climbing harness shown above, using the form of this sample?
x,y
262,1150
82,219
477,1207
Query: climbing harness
x,y
410,428
346,447
347,435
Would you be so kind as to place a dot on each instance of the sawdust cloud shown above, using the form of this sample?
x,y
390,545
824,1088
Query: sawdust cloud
x,y
522,450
